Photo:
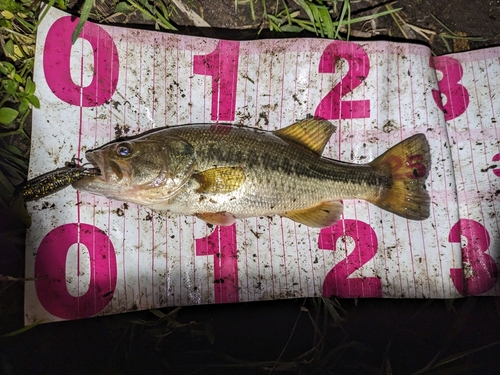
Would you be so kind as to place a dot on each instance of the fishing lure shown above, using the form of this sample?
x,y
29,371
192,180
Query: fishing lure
x,y
55,180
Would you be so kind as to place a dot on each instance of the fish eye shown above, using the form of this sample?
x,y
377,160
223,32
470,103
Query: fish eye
x,y
124,149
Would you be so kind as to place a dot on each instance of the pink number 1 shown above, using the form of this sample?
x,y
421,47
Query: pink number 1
x,y
338,281
332,107
221,243
222,65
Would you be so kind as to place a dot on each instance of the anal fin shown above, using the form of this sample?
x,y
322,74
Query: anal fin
x,y
217,218
319,216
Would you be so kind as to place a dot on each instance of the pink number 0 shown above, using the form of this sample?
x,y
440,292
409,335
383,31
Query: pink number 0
x,y
482,273
222,65
332,107
337,281
221,243
56,64
50,271
457,96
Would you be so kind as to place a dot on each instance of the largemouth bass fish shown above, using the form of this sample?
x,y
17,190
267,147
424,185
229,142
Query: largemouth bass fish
x,y
222,172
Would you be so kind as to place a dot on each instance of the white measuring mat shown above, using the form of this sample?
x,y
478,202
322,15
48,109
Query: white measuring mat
x,y
92,256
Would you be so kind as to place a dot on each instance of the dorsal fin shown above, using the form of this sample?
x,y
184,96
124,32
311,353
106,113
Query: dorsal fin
x,y
311,133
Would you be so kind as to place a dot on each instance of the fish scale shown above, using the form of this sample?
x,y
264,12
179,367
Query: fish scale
x,y
281,174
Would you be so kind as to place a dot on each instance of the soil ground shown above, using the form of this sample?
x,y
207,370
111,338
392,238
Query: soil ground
x,y
373,336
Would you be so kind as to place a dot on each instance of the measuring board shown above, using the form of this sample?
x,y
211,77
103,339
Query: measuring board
x,y
93,256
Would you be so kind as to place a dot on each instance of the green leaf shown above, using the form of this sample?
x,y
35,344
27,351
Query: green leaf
x,y
19,162
6,187
6,67
34,100
5,23
274,19
11,169
147,16
7,14
316,19
30,87
327,22
87,6
7,115
291,29
24,105
46,9
147,5
9,48
13,149
123,7
11,86
304,5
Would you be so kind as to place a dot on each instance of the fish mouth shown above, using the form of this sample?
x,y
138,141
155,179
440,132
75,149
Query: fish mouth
x,y
97,162
108,170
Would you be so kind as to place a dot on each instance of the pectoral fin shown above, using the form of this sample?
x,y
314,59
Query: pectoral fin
x,y
217,218
220,180
311,133
321,215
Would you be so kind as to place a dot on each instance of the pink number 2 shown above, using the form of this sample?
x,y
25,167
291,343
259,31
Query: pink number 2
x,y
332,107
337,281
221,243
222,65
480,272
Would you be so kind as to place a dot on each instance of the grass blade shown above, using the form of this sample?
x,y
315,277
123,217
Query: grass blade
x,y
22,330
87,6
304,5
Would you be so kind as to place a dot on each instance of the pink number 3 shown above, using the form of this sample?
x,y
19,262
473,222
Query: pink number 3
x,y
332,107
479,273
338,281
457,96
496,171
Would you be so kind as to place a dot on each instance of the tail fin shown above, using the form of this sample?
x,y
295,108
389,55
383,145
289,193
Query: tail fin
x,y
407,165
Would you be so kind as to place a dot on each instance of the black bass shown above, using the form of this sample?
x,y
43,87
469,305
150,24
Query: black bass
x,y
222,172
